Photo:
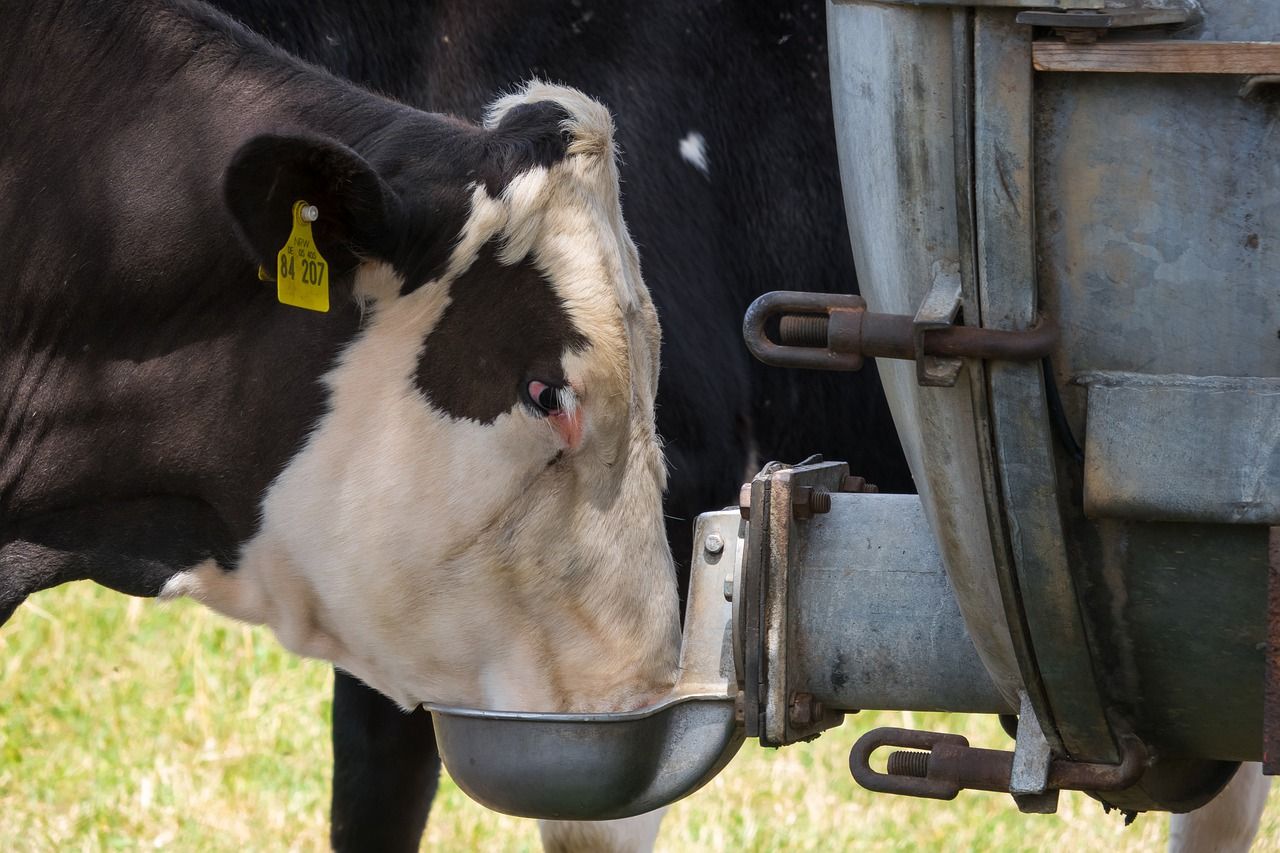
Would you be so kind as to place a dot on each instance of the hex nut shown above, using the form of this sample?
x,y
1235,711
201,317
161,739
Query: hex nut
x,y
804,710
714,543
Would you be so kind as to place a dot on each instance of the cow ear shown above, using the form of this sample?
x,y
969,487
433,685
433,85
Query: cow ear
x,y
359,215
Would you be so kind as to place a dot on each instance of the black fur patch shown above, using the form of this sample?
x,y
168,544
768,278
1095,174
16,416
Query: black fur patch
x,y
529,135
270,172
133,546
504,327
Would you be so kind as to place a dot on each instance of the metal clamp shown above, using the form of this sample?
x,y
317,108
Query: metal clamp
x,y
902,776
825,331
808,324
938,766
778,502
1032,761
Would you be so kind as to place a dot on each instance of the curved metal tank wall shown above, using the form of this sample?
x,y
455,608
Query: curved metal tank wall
x,y
1142,213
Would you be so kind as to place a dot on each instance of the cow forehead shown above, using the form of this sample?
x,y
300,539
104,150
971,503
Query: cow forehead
x,y
579,193
540,270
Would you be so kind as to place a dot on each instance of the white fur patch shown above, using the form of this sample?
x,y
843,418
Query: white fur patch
x,y
629,835
693,148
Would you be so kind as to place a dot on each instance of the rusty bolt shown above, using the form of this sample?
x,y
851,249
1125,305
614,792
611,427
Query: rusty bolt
x,y
908,762
804,710
854,485
744,501
820,501
808,501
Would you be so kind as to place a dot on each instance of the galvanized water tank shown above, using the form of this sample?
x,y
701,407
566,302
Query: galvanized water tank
x,y
1102,515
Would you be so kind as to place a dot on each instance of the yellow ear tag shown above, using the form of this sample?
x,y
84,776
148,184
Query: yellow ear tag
x,y
302,278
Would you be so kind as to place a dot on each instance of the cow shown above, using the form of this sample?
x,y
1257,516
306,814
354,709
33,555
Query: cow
x,y
447,480
731,188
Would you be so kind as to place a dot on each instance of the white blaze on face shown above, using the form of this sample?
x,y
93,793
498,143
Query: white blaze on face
x,y
444,560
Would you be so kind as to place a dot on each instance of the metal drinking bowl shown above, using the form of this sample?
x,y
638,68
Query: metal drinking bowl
x,y
587,766
607,766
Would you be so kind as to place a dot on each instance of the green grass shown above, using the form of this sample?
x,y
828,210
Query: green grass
x,y
128,724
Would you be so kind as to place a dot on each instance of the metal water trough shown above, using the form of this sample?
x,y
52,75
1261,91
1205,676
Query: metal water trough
x,y
1066,217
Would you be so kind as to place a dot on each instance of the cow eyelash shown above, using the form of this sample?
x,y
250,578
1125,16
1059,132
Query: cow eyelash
x,y
546,399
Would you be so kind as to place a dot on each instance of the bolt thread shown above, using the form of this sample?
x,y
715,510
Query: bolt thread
x,y
909,763
820,502
803,330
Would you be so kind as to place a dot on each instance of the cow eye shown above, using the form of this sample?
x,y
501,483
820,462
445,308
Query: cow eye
x,y
546,398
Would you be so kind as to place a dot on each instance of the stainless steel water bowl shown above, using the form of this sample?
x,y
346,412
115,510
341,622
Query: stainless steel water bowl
x,y
587,766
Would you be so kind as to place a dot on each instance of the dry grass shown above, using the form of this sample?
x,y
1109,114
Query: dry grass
x,y
127,724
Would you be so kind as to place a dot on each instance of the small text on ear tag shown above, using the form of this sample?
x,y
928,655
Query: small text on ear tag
x,y
302,275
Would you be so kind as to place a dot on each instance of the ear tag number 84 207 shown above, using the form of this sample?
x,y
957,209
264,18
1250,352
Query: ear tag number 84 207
x,y
302,275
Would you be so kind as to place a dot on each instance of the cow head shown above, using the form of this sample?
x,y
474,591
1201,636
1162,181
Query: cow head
x,y
477,518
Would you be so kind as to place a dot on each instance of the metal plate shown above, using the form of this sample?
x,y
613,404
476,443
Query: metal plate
x,y
1183,448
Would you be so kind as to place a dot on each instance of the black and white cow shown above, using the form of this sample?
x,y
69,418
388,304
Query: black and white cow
x,y
731,189
449,484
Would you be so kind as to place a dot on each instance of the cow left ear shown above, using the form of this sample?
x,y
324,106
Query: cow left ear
x,y
359,213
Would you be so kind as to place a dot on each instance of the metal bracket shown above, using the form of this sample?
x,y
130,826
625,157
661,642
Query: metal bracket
x,y
778,501
1032,760
938,311
1082,26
